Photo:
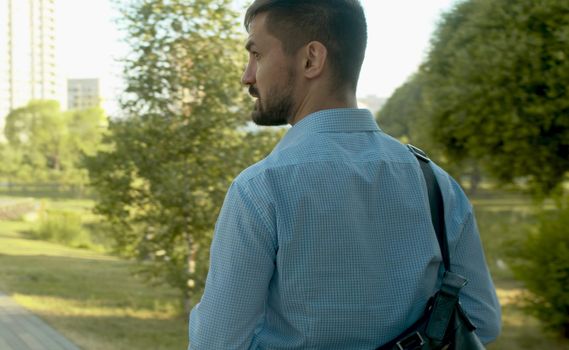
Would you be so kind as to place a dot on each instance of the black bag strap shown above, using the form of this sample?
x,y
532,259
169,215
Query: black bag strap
x,y
435,202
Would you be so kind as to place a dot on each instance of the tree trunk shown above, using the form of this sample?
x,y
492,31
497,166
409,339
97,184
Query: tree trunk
x,y
189,272
190,263
475,179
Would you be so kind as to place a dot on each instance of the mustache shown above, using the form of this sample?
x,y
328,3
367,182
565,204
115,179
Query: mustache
x,y
253,91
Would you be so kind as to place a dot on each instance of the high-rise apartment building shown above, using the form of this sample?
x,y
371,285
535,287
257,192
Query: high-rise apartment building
x,y
83,93
27,53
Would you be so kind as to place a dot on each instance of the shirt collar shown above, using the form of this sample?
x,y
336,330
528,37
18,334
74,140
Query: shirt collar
x,y
341,120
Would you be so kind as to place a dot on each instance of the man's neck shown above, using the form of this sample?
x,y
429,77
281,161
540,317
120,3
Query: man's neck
x,y
312,104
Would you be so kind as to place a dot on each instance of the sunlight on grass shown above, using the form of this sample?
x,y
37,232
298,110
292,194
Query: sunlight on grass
x,y
14,228
26,247
92,298
74,308
519,330
509,296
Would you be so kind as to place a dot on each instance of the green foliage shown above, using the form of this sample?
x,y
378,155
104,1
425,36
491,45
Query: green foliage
x,y
406,116
35,135
46,144
61,227
542,263
497,76
11,161
168,161
403,110
86,128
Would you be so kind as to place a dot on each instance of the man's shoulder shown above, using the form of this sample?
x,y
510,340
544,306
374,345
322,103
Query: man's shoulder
x,y
308,153
251,172
254,171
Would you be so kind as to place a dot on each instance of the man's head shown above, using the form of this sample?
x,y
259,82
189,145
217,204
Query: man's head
x,y
292,42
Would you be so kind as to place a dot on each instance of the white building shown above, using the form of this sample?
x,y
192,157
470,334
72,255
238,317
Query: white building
x,y
83,93
27,53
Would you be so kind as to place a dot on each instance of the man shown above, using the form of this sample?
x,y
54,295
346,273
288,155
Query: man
x,y
328,242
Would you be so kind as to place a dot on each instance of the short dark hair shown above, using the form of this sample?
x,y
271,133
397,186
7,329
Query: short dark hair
x,y
340,25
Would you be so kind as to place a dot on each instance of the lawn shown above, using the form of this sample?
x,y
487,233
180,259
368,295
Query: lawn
x,y
95,301
92,298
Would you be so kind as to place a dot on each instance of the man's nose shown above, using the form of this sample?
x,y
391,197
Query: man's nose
x,y
248,77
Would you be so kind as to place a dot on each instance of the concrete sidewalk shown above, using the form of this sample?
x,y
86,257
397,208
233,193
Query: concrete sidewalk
x,y
21,330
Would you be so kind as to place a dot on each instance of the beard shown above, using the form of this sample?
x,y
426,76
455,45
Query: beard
x,y
277,108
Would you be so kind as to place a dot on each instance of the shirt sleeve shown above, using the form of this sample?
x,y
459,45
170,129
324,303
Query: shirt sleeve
x,y
478,297
242,260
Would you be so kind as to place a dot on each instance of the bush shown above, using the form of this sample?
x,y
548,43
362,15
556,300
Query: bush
x,y
100,236
542,262
61,227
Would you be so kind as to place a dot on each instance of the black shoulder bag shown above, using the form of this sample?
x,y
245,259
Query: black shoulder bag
x,y
444,324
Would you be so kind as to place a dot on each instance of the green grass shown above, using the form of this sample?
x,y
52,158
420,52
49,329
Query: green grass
x,y
90,297
51,191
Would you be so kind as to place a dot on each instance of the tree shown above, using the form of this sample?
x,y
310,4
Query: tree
x,y
169,160
404,108
38,132
498,72
46,144
406,116
11,164
86,128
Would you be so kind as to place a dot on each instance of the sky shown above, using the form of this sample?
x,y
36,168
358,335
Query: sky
x,y
89,42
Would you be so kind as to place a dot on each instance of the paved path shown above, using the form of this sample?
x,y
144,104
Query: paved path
x,y
21,330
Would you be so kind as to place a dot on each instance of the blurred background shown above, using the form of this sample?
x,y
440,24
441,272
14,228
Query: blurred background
x,y
123,123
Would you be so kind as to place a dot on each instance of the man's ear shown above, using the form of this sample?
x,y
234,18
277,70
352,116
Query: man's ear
x,y
314,60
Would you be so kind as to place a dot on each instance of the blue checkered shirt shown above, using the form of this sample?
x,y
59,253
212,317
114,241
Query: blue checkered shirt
x,y
328,244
